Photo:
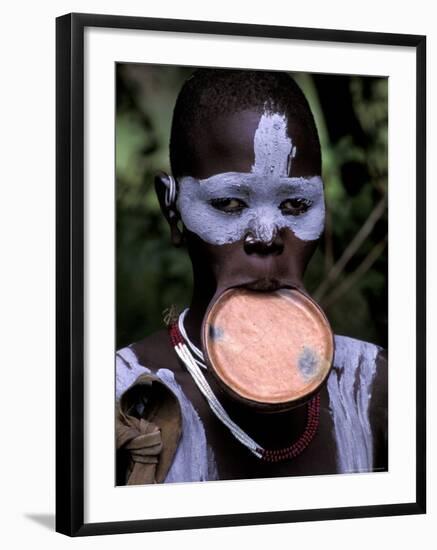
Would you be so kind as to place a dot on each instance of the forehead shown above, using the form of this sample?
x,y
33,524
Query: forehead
x,y
234,142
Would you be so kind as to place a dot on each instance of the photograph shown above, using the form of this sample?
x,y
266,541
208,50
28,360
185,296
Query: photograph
x,y
240,300
218,255
251,273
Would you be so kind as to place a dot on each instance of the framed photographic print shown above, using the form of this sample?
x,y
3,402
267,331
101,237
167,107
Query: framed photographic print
x,y
240,274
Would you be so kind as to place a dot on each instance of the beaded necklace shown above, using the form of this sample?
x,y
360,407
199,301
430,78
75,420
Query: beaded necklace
x,y
185,349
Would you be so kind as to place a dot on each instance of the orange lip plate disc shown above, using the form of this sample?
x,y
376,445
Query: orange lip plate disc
x,y
268,347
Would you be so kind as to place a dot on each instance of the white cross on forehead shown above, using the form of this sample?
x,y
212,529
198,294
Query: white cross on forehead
x,y
273,147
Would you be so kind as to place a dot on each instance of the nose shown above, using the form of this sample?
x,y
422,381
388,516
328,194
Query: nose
x,y
254,245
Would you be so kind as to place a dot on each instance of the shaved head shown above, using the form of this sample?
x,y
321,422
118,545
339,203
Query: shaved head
x,y
209,95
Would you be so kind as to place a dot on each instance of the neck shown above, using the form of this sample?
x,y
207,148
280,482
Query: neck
x,y
204,288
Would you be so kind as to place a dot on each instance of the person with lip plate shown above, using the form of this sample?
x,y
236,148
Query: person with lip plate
x,y
248,381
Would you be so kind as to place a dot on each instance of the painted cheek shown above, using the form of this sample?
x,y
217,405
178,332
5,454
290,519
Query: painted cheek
x,y
210,225
309,226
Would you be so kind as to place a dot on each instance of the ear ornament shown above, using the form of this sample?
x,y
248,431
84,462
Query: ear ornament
x,y
170,194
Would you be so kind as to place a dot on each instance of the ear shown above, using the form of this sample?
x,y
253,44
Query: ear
x,y
170,211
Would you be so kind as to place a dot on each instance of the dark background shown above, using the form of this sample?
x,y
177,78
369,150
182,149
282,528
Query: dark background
x,y
348,273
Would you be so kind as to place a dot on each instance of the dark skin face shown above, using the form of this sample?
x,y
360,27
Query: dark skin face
x,y
227,144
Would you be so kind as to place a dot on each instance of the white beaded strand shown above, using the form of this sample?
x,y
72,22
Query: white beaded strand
x,y
192,365
193,347
170,191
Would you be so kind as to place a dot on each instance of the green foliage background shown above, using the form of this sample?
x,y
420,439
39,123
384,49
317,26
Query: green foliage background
x,y
351,116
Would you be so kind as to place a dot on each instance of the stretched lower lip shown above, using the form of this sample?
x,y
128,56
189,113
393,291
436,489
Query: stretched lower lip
x,y
265,285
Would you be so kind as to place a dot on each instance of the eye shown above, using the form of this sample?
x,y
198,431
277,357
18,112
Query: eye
x,y
295,207
228,205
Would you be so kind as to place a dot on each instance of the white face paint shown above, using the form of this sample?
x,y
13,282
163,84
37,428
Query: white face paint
x,y
265,199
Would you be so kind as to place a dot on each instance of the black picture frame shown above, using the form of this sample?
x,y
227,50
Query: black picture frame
x,y
70,272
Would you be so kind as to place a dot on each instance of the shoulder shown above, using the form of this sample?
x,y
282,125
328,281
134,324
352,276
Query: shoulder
x,y
146,375
149,355
155,350
357,360
353,353
148,420
359,365
127,369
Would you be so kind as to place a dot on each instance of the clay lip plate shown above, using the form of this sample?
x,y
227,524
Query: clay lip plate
x,y
268,347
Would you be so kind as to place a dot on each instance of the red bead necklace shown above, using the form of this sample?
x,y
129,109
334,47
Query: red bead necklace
x,y
273,455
